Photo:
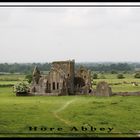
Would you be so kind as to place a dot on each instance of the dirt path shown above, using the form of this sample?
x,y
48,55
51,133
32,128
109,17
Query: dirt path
x,y
62,108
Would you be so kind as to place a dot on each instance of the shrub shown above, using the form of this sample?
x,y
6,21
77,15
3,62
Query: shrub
x,y
137,75
95,76
21,87
113,72
29,78
120,76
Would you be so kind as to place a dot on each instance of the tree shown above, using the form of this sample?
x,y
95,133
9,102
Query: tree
x,y
95,76
113,72
120,76
29,78
137,75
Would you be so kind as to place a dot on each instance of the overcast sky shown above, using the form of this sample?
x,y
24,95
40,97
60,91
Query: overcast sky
x,y
84,34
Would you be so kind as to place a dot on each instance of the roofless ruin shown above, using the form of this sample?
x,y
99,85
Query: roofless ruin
x,y
62,79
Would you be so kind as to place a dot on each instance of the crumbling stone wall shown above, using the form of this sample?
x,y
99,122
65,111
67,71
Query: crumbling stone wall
x,y
103,89
66,78
83,80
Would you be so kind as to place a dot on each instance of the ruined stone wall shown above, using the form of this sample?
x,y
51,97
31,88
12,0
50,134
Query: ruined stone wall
x,y
55,79
82,80
66,69
126,93
103,89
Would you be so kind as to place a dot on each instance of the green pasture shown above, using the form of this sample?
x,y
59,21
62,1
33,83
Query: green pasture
x,y
119,85
120,113
12,77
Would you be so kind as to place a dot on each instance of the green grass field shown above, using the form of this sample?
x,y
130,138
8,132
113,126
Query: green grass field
x,y
119,85
117,112
10,79
19,113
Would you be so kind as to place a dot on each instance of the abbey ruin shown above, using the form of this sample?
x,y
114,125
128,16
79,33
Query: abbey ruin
x,y
62,79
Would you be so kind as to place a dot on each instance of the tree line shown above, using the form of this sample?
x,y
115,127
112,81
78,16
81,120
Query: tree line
x,y
110,67
27,68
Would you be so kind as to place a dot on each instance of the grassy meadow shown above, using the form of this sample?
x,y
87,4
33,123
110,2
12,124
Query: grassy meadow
x,y
10,79
77,116
119,85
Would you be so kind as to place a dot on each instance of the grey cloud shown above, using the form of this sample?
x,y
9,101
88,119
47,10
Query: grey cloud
x,y
85,34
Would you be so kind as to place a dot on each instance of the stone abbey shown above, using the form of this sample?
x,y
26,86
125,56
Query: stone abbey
x,y
62,79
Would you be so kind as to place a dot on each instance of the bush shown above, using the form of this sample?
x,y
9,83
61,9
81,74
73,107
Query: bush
x,y
29,78
21,87
113,72
137,75
120,76
95,76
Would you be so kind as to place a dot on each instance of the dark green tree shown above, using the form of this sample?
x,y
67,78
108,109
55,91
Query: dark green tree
x,y
29,78
120,76
95,76
137,75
